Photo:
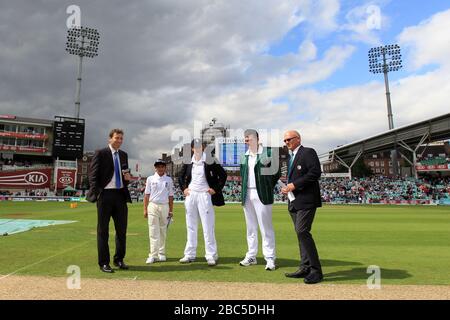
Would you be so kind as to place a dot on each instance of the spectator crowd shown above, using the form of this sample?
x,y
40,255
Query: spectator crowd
x,y
376,188
373,189
345,190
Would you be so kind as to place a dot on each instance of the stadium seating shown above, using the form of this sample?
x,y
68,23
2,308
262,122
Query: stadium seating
x,y
343,190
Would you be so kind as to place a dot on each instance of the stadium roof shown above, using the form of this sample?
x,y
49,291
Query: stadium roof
x,y
433,129
24,120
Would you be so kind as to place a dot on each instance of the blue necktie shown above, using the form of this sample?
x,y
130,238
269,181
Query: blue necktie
x,y
117,169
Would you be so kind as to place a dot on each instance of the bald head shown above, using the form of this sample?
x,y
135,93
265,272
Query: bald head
x,y
293,133
292,139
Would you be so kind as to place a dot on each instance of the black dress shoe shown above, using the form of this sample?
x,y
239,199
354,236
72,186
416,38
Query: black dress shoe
x,y
300,273
313,278
106,268
121,265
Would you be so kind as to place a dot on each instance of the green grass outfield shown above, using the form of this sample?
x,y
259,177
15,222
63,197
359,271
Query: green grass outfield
x,y
411,244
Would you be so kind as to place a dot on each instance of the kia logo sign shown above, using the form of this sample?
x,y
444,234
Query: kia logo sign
x,y
65,180
36,178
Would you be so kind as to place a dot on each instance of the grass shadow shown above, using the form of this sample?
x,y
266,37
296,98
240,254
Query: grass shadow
x,y
224,263
361,274
291,263
164,267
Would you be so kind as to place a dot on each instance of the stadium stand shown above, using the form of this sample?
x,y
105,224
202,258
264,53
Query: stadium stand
x,y
379,189
376,189
430,161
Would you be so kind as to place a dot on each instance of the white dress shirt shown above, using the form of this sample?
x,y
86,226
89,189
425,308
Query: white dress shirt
x,y
251,166
112,183
198,181
160,188
294,153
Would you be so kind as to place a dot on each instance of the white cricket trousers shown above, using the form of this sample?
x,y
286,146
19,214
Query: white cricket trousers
x,y
257,213
199,204
157,228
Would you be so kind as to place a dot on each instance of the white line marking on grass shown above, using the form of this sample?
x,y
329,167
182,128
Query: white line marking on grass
x,y
40,261
60,253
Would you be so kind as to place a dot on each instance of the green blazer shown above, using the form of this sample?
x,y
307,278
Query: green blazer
x,y
264,183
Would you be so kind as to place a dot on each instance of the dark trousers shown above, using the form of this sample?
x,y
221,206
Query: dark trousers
x,y
111,203
303,220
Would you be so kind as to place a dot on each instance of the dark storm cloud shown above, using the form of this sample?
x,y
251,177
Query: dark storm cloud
x,y
157,60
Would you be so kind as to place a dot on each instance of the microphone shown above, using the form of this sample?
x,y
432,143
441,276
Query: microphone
x,y
125,168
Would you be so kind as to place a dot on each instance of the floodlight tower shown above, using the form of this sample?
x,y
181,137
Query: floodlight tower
x,y
82,42
385,59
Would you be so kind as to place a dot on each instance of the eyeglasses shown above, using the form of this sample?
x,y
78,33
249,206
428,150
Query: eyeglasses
x,y
289,139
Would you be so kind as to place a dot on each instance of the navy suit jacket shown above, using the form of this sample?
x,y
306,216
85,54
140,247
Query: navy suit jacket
x,y
305,174
101,172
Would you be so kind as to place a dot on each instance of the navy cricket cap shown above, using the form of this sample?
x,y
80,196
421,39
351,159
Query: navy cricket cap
x,y
160,161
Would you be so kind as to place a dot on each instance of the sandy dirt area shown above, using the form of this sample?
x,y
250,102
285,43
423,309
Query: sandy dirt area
x,y
33,287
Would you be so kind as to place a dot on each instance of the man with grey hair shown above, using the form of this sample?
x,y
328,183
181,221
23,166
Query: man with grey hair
x,y
304,198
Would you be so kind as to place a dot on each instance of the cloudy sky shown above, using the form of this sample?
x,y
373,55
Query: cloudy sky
x,y
265,64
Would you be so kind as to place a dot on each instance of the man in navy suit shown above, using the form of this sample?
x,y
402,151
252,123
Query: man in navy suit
x,y
304,198
108,178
